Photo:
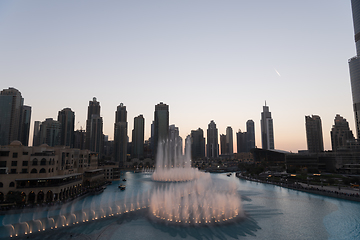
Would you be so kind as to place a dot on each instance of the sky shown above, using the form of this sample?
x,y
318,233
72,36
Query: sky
x,y
208,60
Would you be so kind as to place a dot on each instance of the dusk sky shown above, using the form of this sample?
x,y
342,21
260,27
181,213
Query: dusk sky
x,y
208,60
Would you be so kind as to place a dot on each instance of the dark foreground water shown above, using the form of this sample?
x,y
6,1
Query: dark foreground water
x,y
271,212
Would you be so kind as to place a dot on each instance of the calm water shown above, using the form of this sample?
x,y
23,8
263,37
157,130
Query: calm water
x,y
271,213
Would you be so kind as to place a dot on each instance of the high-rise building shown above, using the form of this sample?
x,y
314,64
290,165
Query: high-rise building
x,y
340,133
354,65
223,144
197,144
241,138
67,119
25,125
314,134
79,139
13,125
229,141
161,124
50,132
120,135
267,130
94,128
250,135
36,134
138,137
212,146
174,143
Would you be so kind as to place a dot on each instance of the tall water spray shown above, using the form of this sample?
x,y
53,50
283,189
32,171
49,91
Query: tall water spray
x,y
198,200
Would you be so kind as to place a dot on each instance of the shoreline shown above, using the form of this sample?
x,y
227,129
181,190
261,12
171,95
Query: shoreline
x,y
313,189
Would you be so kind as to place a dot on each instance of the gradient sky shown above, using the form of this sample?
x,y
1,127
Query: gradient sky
x,y
208,60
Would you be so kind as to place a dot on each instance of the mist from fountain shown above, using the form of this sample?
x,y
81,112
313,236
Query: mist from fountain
x,y
198,200
171,165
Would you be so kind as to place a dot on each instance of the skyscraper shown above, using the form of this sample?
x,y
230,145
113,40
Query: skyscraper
x,y
174,143
250,135
354,65
13,125
120,135
223,144
229,141
241,141
340,133
267,130
197,144
67,119
138,137
212,146
314,134
25,125
36,134
50,132
94,128
161,124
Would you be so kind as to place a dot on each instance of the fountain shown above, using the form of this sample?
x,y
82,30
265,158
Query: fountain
x,y
190,197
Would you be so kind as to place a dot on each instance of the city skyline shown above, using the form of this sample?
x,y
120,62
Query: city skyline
x,y
207,61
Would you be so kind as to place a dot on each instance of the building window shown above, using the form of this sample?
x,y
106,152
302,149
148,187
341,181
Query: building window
x,y
34,170
25,163
13,163
43,162
2,171
34,163
42,170
2,163
1,185
15,155
4,153
24,170
13,171
25,153
12,184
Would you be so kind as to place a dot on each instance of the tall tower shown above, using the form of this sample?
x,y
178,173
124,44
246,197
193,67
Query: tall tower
x,y
197,144
138,137
36,135
340,133
229,140
94,128
354,65
11,121
50,132
250,135
161,124
267,130
314,134
223,144
120,135
67,119
241,141
212,146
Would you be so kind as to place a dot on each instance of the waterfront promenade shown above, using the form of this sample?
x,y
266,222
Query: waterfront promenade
x,y
347,193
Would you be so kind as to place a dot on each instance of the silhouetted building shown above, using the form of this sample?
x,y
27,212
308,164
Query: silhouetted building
x,y
354,65
67,119
250,135
241,138
36,134
94,128
314,134
223,145
120,135
138,137
212,146
13,125
50,132
161,124
197,144
229,141
25,125
174,143
267,130
79,139
340,133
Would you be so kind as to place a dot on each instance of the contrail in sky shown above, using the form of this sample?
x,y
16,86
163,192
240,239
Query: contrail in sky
x,y
277,72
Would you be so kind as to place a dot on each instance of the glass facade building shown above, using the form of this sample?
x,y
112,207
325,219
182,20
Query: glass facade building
x,y
354,65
